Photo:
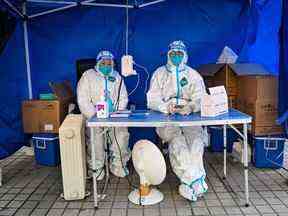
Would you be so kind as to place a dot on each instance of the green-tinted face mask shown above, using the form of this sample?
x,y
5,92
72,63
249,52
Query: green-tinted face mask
x,y
105,69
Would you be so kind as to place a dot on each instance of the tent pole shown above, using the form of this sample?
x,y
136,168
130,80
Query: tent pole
x,y
52,2
14,8
151,3
52,11
107,5
27,57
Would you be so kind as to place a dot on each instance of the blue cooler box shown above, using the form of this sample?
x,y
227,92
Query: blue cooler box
x,y
217,141
46,148
268,152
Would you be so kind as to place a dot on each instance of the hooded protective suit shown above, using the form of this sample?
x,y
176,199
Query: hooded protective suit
x,y
93,86
181,85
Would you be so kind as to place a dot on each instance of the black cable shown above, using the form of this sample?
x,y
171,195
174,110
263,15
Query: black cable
x,y
122,163
118,96
121,158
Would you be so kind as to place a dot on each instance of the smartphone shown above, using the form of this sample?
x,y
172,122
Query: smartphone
x,y
178,106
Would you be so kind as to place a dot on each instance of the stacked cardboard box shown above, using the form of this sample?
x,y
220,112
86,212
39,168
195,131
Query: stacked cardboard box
x,y
46,116
251,89
259,98
221,74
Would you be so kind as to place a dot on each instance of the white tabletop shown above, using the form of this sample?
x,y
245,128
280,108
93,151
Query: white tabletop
x,y
157,119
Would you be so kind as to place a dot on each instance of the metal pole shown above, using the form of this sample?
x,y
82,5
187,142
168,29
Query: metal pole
x,y
53,11
106,5
225,149
150,3
52,2
93,150
246,164
0,176
27,56
107,152
14,8
127,30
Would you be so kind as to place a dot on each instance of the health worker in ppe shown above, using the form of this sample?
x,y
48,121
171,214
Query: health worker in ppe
x,y
98,84
177,88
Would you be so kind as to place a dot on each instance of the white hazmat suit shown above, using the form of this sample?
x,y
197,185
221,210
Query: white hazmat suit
x,y
91,89
183,85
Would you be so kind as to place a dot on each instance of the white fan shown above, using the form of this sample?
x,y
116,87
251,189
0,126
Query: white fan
x,y
151,167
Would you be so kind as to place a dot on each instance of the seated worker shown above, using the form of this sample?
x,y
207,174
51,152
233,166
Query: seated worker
x,y
95,85
177,88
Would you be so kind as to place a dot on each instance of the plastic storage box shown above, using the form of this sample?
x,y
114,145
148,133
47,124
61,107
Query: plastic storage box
x,y
46,147
217,140
268,152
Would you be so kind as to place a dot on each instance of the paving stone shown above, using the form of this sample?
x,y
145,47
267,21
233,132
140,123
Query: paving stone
x,y
120,205
30,204
280,208
8,212
200,211
4,203
88,205
60,205
102,212
265,209
74,205
8,197
71,212
87,212
15,204
249,210
134,212
217,211
258,201
184,211
119,212
214,203
55,212
23,212
167,211
39,212
151,212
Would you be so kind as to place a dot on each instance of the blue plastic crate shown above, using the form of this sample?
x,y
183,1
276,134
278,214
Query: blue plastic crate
x,y
46,147
268,152
217,141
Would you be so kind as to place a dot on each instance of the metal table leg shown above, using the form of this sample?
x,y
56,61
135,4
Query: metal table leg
x,y
225,150
246,164
107,152
0,176
93,150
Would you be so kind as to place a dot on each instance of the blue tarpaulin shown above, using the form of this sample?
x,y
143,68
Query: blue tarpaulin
x,y
56,41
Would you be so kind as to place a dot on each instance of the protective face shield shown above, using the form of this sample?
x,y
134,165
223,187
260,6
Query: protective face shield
x,y
176,57
105,63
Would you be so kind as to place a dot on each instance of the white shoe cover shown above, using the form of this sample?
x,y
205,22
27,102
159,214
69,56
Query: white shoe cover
x,y
119,171
100,174
200,187
187,192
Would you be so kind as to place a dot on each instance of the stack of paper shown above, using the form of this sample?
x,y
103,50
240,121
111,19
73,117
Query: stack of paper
x,y
120,114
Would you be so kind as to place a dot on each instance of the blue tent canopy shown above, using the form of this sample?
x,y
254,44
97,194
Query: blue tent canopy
x,y
55,41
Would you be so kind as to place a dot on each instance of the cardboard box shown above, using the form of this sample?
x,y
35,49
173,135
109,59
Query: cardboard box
x,y
258,87
264,113
266,130
40,116
233,102
232,77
